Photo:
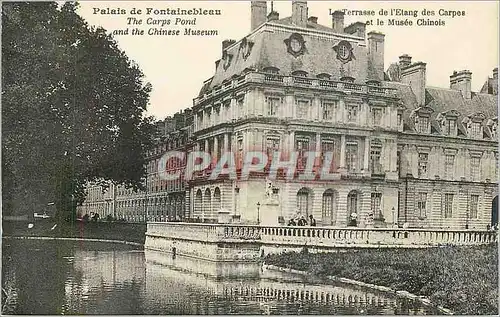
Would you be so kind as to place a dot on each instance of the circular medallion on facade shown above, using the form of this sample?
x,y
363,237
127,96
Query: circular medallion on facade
x,y
344,51
295,44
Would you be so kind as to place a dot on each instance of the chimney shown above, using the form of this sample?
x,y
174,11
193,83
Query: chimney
x,y
357,29
299,13
376,54
338,21
259,13
462,81
273,16
313,20
404,60
495,73
415,76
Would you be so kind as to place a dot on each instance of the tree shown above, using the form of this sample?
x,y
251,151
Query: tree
x,y
73,108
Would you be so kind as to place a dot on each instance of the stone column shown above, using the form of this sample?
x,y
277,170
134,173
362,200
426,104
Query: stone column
x,y
226,142
366,156
291,141
206,145
318,148
215,149
342,152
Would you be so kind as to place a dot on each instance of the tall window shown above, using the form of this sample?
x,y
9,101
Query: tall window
x,y
422,124
450,127
352,113
398,161
376,116
302,146
240,152
422,205
327,146
240,102
422,164
303,107
216,114
327,208
352,206
273,105
209,118
272,145
303,201
474,168
475,130
474,201
449,166
448,205
375,204
376,167
351,153
400,118
328,108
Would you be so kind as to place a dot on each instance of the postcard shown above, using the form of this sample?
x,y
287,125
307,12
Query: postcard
x,y
250,157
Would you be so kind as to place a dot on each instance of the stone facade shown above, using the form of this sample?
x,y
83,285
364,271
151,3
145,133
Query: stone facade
x,y
403,152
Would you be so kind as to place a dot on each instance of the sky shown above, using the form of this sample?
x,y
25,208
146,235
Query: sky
x,y
176,66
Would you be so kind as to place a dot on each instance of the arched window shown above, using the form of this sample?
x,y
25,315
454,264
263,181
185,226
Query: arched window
x,y
207,203
217,200
303,201
352,208
198,211
329,207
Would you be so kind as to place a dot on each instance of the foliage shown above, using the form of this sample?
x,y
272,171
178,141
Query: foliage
x,y
73,107
464,279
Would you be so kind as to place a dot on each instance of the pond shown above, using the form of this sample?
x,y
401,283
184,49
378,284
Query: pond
x,y
69,277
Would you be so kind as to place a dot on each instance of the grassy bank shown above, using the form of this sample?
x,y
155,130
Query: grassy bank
x,y
463,279
99,230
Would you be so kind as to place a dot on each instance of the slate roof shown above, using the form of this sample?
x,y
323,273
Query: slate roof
x,y
269,50
310,25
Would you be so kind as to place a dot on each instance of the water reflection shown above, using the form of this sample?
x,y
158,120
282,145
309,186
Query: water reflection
x,y
44,277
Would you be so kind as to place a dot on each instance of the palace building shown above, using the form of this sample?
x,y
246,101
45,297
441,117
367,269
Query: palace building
x,y
404,152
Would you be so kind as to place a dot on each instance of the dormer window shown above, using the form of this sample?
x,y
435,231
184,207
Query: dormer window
x,y
271,70
422,124
474,125
450,126
347,79
299,73
373,83
475,130
324,76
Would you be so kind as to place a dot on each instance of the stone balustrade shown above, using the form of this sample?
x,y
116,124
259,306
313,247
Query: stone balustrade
x,y
257,77
323,237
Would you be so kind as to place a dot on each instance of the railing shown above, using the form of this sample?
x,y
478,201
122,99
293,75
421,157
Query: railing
x,y
294,80
302,81
274,78
320,236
